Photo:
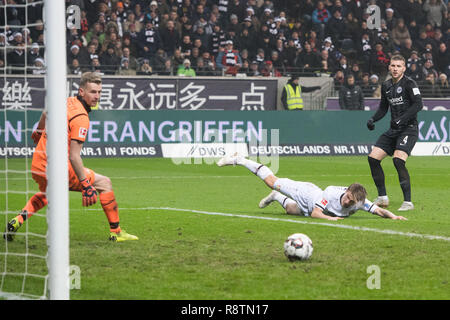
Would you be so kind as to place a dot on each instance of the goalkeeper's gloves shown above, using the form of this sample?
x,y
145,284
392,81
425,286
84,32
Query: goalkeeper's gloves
x,y
88,193
370,124
36,135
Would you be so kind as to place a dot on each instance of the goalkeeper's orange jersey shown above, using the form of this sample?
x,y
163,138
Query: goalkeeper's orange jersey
x,y
78,125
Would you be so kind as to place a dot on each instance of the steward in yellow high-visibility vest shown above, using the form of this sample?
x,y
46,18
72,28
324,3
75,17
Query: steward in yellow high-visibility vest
x,y
292,94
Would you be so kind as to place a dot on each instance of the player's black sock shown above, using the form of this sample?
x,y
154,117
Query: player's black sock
x,y
403,178
377,175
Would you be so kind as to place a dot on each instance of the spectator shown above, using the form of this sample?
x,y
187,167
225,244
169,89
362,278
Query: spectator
x,y
379,61
159,60
422,42
356,72
254,69
415,72
442,57
269,71
430,88
435,10
387,42
177,60
186,46
148,40
337,28
390,19
289,55
444,86
229,60
110,61
428,67
33,54
132,62
339,80
352,25
412,11
205,69
167,70
16,59
38,66
125,69
170,38
96,66
75,68
320,17
131,20
343,65
185,70
145,69
97,31
217,39
407,48
291,96
414,58
351,96
375,86
365,86
308,61
400,33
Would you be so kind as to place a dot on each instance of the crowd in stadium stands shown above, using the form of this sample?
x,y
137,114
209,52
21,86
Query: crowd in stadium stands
x,y
252,37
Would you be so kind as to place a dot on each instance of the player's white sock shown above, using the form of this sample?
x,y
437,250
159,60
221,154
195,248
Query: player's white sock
x,y
257,168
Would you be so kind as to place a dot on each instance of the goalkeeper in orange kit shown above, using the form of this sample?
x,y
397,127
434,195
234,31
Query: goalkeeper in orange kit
x,y
92,186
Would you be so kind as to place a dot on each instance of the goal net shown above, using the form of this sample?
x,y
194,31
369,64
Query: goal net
x,y
27,82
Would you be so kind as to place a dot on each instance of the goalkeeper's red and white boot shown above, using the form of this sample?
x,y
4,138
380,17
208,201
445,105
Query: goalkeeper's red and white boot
x,y
268,200
382,201
229,160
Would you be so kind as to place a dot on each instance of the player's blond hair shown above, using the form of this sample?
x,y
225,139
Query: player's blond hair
x,y
90,77
398,57
358,191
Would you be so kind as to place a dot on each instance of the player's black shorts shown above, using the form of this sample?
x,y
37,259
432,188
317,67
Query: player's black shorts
x,y
403,139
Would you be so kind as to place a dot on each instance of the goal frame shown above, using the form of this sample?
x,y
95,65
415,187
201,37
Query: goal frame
x,y
57,154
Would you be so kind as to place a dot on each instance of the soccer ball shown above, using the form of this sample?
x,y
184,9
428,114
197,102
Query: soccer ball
x,y
298,246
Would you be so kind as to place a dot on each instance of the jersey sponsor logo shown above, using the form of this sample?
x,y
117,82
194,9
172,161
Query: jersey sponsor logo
x,y
324,202
416,91
82,133
396,101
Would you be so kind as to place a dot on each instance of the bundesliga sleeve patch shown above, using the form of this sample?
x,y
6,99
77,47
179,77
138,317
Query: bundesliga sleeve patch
x,y
82,133
324,202
416,91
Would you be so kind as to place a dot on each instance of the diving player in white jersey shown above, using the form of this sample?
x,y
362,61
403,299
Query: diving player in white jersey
x,y
305,198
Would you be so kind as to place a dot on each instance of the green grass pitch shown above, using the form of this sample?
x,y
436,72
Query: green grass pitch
x,y
188,248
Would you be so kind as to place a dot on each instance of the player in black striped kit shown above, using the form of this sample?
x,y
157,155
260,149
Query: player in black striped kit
x,y
401,94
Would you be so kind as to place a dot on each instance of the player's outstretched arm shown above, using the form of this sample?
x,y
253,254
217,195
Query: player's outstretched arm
x,y
387,214
36,135
318,213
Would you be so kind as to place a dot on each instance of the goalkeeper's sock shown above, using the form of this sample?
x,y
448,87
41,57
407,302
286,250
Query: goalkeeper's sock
x,y
34,204
377,175
257,168
109,205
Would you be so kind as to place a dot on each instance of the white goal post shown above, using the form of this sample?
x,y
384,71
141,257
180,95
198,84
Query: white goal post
x,y
57,170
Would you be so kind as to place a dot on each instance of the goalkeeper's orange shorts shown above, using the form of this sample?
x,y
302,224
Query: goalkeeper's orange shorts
x,y
74,183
